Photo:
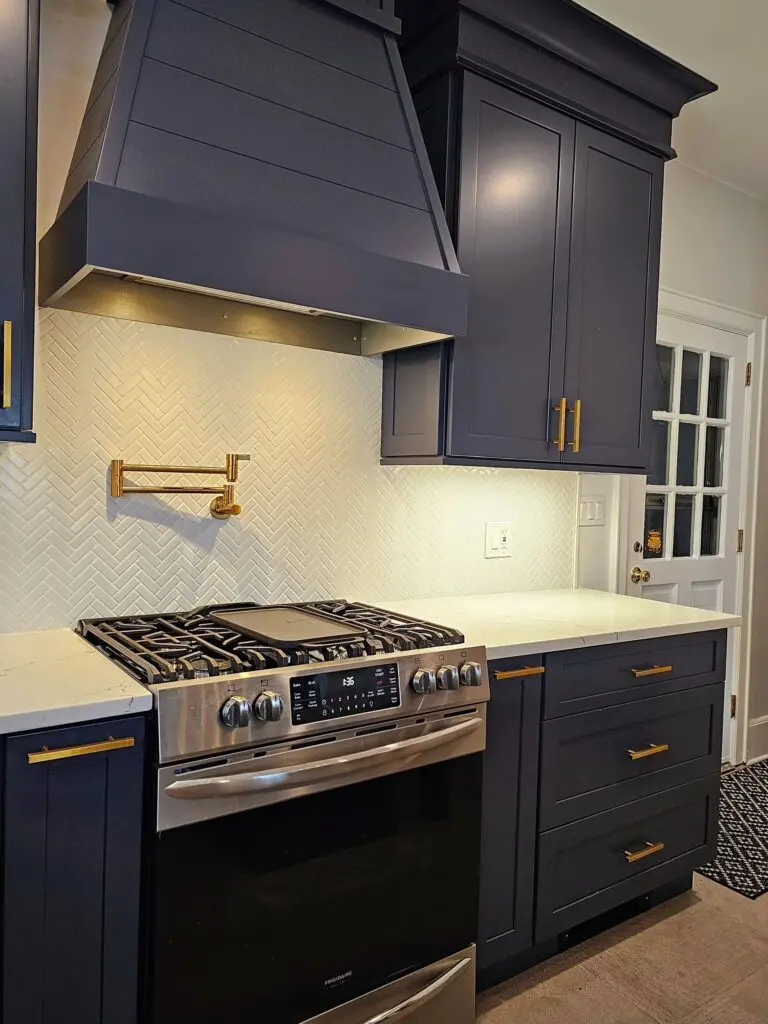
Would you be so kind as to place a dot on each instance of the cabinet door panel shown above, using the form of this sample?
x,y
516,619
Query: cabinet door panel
x,y
510,782
18,148
72,857
512,240
613,297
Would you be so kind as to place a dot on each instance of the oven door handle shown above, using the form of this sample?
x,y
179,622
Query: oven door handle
x,y
245,783
422,997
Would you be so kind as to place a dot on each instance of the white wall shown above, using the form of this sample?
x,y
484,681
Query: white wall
x,y
714,241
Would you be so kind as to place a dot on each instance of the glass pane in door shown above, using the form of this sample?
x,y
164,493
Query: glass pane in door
x,y
689,386
662,379
653,544
657,470
682,544
710,525
686,454
718,382
713,457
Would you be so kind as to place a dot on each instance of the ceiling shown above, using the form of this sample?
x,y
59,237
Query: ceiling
x,y
724,135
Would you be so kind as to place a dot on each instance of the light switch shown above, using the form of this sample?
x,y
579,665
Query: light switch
x,y
497,540
592,512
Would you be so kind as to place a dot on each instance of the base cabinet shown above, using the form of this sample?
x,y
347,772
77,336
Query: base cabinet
x,y
601,786
72,820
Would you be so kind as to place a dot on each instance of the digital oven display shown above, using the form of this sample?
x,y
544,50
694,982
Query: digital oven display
x,y
356,691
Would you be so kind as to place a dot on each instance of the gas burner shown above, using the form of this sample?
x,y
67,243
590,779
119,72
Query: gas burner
x,y
158,649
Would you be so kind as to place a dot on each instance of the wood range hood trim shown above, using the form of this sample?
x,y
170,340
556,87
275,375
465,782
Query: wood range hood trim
x,y
125,255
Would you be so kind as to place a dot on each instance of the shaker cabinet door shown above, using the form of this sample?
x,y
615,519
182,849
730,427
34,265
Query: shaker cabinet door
x,y
72,822
612,300
18,163
513,227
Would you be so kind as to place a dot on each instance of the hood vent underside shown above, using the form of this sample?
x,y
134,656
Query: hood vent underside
x,y
256,169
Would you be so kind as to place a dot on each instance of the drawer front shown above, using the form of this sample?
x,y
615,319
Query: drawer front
x,y
602,759
600,677
592,865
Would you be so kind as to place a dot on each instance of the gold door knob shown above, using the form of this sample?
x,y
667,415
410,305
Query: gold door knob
x,y
639,575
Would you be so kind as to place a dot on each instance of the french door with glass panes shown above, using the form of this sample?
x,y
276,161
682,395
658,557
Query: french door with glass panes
x,y
685,518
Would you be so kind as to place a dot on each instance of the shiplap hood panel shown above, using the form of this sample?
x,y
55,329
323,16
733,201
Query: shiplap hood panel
x,y
255,167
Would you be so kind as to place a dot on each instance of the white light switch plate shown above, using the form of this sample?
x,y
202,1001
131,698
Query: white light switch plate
x,y
497,540
592,512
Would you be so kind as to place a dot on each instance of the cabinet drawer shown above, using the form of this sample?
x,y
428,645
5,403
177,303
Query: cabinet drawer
x,y
603,676
591,865
601,759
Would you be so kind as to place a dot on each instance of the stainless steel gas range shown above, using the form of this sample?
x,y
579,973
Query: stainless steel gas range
x,y
316,813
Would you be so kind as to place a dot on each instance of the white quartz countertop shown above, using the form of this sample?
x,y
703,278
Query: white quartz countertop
x,y
53,677
515,624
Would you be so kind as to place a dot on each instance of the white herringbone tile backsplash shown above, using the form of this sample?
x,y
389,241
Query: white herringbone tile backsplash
x,y
320,517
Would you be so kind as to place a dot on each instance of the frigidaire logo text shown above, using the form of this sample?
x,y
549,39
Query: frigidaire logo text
x,y
338,978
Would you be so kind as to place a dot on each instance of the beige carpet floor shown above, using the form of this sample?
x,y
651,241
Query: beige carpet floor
x,y
701,958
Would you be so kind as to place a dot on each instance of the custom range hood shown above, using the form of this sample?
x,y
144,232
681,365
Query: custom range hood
x,y
255,168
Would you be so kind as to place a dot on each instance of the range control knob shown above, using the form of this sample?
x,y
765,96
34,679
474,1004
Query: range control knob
x,y
236,713
448,677
471,673
424,681
268,706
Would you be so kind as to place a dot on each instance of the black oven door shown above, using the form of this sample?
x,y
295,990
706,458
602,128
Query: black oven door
x,y
274,915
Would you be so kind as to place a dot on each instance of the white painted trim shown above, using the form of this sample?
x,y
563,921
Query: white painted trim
x,y
754,328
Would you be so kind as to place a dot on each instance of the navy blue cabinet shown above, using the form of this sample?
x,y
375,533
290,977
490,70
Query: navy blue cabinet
x,y
18,197
71,832
510,796
547,131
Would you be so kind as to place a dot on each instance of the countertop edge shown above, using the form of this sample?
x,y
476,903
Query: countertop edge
x,y
36,719
495,653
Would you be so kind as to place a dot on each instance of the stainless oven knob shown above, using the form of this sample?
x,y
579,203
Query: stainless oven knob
x,y
268,706
471,673
424,681
236,713
448,677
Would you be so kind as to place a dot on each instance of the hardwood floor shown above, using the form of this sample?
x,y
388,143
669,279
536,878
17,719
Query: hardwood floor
x,y
700,959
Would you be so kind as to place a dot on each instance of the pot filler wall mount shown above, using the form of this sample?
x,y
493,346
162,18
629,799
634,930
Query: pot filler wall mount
x,y
257,170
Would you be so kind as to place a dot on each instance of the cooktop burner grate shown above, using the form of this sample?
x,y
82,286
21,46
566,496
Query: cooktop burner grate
x,y
191,645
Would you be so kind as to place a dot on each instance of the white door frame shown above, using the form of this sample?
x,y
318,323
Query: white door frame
x,y
755,330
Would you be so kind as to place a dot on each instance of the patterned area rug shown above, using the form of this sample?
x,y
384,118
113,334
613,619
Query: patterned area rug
x,y
742,843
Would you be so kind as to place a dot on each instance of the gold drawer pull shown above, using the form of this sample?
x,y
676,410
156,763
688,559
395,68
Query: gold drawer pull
x,y
576,442
647,851
5,397
520,673
562,410
657,670
90,748
655,748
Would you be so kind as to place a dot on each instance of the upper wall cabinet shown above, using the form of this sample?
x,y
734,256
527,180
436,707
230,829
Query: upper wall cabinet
x,y
548,131
19,32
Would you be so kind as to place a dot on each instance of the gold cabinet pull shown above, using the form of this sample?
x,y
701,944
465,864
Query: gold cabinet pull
x,y
646,851
561,409
657,670
5,398
89,748
576,442
655,748
520,673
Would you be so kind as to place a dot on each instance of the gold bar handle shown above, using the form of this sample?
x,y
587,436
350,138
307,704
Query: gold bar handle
x,y
561,409
63,753
520,673
5,397
647,851
657,670
655,748
576,442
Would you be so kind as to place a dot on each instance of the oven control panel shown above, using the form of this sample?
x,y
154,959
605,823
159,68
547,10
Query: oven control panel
x,y
354,691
